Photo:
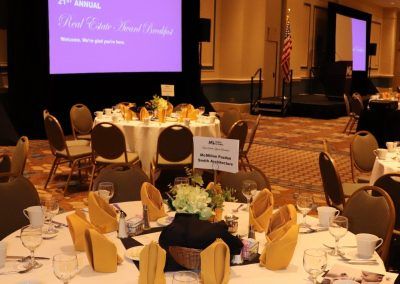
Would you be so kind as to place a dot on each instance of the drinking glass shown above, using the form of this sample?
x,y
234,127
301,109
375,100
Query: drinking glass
x,y
338,227
181,180
249,189
187,277
65,266
314,262
201,110
105,190
304,204
31,238
50,209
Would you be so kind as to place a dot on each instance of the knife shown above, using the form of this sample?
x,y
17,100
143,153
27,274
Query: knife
x,y
25,257
59,223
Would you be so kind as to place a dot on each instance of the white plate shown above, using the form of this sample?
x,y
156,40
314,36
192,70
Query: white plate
x,y
165,221
133,253
353,255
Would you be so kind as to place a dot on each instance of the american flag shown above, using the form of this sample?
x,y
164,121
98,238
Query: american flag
x,y
287,50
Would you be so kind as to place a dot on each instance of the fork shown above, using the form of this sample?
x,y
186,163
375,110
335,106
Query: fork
x,y
17,271
235,210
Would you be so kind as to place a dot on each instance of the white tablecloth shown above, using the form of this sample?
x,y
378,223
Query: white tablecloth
x,y
381,167
142,139
128,273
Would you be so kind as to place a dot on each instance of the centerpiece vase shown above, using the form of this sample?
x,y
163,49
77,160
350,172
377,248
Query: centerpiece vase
x,y
218,215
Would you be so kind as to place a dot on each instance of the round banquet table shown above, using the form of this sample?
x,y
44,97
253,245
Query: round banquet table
x,y
128,273
142,139
382,167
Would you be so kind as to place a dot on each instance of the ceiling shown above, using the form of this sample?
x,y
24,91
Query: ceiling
x,y
386,3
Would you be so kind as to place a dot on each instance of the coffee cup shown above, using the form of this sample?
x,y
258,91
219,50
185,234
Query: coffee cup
x,y
146,120
211,119
212,114
98,114
3,253
35,215
115,118
187,122
391,146
326,212
381,153
367,244
107,111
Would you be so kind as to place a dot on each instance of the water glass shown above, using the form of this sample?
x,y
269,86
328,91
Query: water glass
x,y
201,110
50,209
185,277
105,190
31,238
314,262
249,189
338,227
304,203
65,266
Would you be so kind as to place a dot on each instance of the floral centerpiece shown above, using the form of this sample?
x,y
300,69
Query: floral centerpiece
x,y
193,198
159,107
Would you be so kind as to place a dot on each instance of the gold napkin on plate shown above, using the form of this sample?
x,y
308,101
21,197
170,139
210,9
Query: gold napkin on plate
x,y
101,252
170,109
77,224
261,210
143,113
162,114
278,252
285,217
102,215
193,114
151,265
215,263
151,197
129,115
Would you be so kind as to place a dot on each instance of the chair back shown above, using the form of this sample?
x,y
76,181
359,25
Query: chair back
x,y
234,180
347,104
362,148
15,196
238,131
45,113
371,214
252,126
81,119
391,184
127,180
19,156
168,141
228,119
357,105
55,134
331,182
108,141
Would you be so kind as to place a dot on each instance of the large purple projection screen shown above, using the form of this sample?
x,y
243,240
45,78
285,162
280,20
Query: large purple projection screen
x,y
107,36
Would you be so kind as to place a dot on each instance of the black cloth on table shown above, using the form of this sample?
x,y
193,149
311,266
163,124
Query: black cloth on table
x,y
384,125
188,231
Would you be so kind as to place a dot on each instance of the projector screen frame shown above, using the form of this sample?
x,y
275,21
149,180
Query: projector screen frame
x,y
333,10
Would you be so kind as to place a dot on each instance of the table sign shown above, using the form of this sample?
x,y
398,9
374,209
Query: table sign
x,y
167,90
216,154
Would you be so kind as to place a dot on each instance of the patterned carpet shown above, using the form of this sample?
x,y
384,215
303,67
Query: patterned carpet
x,y
286,149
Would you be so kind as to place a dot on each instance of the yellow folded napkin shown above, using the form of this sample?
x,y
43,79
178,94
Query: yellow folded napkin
x,y
261,210
143,113
101,252
193,114
190,107
184,113
215,263
162,114
129,115
285,217
151,197
77,224
278,252
102,215
170,109
151,265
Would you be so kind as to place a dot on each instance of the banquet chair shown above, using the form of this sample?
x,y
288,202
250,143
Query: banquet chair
x,y
335,191
63,153
174,150
228,119
15,166
239,131
350,114
15,196
356,106
327,149
127,180
391,184
233,181
108,147
81,121
362,157
370,210
252,129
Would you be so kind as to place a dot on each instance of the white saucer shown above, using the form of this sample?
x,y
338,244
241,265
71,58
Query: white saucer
x,y
165,221
353,255
133,253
